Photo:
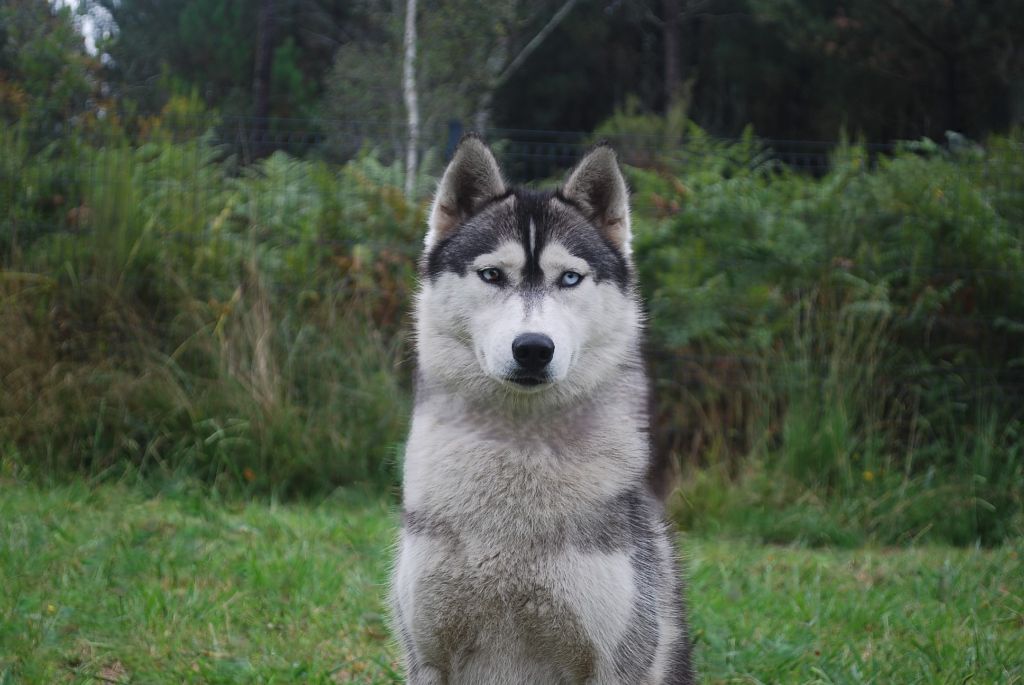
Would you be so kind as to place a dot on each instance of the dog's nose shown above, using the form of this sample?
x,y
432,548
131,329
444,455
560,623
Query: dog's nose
x,y
533,351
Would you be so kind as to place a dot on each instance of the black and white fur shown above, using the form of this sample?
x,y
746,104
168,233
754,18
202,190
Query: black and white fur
x,y
532,550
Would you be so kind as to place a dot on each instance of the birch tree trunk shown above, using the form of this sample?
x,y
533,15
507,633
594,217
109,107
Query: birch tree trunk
x,y
411,103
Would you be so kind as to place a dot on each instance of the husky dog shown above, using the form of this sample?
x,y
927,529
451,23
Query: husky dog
x,y
532,550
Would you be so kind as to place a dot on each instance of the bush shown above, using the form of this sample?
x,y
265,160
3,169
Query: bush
x,y
858,333
182,320
836,358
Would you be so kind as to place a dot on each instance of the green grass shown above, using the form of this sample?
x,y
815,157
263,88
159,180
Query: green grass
x,y
109,585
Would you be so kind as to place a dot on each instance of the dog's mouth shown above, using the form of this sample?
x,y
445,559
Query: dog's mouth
x,y
528,380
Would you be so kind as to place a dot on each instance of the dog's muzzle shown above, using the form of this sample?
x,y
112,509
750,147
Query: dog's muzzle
x,y
532,352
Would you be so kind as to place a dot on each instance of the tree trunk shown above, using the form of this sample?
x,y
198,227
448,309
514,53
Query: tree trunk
x,y
954,118
261,78
673,83
1015,89
411,102
483,112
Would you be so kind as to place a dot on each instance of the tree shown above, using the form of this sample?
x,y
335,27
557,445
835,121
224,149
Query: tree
x,y
500,71
597,58
46,76
795,69
467,52
673,81
363,88
245,58
411,104
264,60
904,69
804,69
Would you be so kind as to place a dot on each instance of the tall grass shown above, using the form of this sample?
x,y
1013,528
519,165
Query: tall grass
x,y
163,315
848,347
835,358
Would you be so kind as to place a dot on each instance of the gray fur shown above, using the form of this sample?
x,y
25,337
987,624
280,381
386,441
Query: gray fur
x,y
531,549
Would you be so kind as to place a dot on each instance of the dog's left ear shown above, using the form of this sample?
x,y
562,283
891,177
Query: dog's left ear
x,y
596,185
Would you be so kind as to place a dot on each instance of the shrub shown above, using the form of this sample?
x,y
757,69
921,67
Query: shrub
x,y
835,358
182,320
857,332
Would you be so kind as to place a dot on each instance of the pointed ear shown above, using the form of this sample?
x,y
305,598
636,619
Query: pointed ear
x,y
472,178
597,186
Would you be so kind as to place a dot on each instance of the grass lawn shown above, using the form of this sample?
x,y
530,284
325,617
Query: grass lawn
x,y
106,585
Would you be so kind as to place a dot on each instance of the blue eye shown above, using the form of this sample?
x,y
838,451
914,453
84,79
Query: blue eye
x,y
570,279
489,275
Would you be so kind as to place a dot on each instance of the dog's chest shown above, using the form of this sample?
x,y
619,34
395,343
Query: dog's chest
x,y
555,601
507,534
523,476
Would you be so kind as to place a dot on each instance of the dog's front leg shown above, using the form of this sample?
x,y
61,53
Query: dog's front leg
x,y
417,671
421,674
417,630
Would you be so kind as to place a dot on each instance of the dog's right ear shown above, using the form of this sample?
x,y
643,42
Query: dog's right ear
x,y
471,179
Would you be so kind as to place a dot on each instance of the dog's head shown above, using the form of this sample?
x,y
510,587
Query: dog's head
x,y
524,292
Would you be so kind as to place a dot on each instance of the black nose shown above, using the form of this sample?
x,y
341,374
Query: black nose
x,y
533,351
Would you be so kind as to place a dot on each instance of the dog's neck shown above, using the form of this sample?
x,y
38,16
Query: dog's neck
x,y
622,397
511,450
596,446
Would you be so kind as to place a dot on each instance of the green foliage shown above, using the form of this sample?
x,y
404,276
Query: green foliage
x,y
46,77
836,359
164,47
242,329
296,91
641,136
858,332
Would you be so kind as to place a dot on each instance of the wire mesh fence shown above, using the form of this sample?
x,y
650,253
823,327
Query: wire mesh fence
x,y
235,143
